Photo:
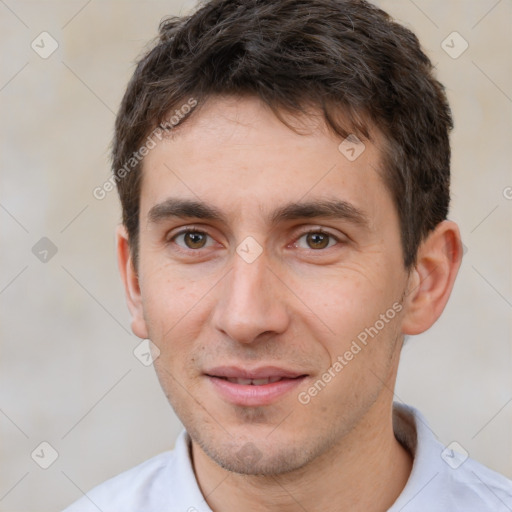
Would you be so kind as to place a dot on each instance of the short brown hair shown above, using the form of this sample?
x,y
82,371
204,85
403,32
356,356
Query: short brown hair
x,y
340,56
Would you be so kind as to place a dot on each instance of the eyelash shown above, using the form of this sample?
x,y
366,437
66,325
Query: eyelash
x,y
304,233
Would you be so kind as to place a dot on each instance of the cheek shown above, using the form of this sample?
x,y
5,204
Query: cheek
x,y
350,303
172,305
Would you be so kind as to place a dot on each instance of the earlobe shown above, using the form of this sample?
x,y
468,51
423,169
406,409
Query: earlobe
x,y
131,283
431,281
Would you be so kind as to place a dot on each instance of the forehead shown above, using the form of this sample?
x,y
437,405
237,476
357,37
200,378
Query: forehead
x,y
237,156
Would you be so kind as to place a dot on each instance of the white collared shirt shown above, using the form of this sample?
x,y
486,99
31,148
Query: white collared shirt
x,y
442,480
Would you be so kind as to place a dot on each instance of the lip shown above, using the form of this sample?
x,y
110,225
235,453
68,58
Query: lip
x,y
262,372
250,395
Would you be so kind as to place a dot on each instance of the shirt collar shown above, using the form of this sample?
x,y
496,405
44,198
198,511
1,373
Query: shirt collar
x,y
413,432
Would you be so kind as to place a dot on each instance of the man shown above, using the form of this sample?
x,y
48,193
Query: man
x,y
284,168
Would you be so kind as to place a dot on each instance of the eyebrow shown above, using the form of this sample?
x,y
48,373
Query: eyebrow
x,y
174,207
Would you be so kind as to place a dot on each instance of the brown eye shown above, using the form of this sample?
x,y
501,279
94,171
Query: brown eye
x,y
195,240
191,239
317,240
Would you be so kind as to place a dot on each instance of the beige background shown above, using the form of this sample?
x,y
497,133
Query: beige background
x,y
68,375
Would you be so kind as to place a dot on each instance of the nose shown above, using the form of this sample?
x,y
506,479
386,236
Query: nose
x,y
252,302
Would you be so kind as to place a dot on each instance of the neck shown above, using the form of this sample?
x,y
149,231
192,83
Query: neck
x,y
364,471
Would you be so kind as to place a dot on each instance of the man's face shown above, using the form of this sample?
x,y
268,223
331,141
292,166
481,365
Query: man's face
x,y
251,297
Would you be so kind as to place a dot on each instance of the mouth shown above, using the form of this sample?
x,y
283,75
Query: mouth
x,y
252,382
253,387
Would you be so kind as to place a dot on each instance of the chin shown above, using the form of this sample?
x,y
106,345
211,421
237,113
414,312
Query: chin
x,y
250,455
248,459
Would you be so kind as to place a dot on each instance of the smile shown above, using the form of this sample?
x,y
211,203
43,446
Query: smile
x,y
253,382
251,388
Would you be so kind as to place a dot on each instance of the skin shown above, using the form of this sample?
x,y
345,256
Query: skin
x,y
299,306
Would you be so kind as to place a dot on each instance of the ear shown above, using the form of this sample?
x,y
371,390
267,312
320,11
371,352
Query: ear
x,y
431,281
130,280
